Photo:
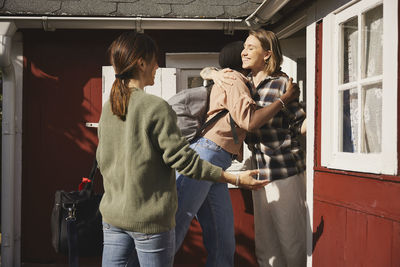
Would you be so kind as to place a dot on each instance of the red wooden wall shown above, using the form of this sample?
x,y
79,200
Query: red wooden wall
x,y
61,91
356,216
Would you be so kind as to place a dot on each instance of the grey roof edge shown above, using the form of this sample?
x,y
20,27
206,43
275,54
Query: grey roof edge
x,y
130,8
114,15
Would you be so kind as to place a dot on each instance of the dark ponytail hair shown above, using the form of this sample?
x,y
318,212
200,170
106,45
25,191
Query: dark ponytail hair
x,y
125,52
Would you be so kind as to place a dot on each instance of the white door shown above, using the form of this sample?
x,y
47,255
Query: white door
x,y
164,83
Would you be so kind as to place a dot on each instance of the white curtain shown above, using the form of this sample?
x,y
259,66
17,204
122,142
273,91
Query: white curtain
x,y
371,94
373,47
350,46
373,119
350,102
354,118
372,116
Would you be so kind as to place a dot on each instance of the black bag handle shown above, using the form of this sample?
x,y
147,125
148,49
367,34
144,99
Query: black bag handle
x,y
89,185
72,232
94,169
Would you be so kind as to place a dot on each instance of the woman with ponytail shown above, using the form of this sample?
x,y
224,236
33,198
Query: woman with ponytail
x,y
140,146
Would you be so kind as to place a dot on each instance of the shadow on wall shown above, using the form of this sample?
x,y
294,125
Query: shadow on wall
x,y
62,91
247,201
318,233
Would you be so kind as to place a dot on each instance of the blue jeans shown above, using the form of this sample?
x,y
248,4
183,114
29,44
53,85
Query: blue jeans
x,y
125,248
211,203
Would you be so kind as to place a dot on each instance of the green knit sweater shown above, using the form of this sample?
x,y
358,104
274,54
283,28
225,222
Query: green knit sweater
x,y
137,158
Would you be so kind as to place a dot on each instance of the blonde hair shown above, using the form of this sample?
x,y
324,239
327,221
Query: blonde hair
x,y
270,42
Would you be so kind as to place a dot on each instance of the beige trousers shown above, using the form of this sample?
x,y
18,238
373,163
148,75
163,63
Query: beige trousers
x,y
280,223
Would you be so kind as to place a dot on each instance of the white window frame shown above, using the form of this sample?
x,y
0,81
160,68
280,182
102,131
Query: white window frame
x,y
190,64
183,76
384,162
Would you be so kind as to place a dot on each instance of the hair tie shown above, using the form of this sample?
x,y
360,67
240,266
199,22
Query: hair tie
x,y
121,76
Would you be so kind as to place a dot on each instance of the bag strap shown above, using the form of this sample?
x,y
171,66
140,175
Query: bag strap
x,y
233,129
72,236
213,120
218,116
93,170
89,185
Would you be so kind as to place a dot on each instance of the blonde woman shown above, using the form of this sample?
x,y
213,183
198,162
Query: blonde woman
x,y
279,207
211,201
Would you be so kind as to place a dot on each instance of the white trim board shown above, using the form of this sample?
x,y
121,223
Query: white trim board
x,y
310,91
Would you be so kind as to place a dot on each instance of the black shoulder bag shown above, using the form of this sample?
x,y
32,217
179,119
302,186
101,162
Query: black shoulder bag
x,y
76,223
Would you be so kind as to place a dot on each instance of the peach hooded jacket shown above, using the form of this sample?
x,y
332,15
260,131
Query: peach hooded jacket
x,y
237,100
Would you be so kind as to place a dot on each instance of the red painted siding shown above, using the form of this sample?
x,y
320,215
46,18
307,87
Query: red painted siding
x,y
396,245
244,227
353,238
369,196
329,248
379,241
356,238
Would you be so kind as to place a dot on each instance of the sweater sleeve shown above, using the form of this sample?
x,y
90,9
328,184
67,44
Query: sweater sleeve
x,y
175,149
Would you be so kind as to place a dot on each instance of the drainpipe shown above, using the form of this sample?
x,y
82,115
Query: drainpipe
x,y
7,30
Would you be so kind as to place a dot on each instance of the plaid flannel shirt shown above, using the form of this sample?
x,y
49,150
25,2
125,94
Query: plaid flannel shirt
x,y
275,148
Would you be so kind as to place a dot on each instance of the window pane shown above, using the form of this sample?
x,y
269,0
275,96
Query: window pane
x,y
349,121
372,118
372,41
195,82
350,37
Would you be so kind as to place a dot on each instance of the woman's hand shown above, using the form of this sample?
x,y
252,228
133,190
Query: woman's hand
x,y
247,181
292,92
244,179
220,77
223,77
